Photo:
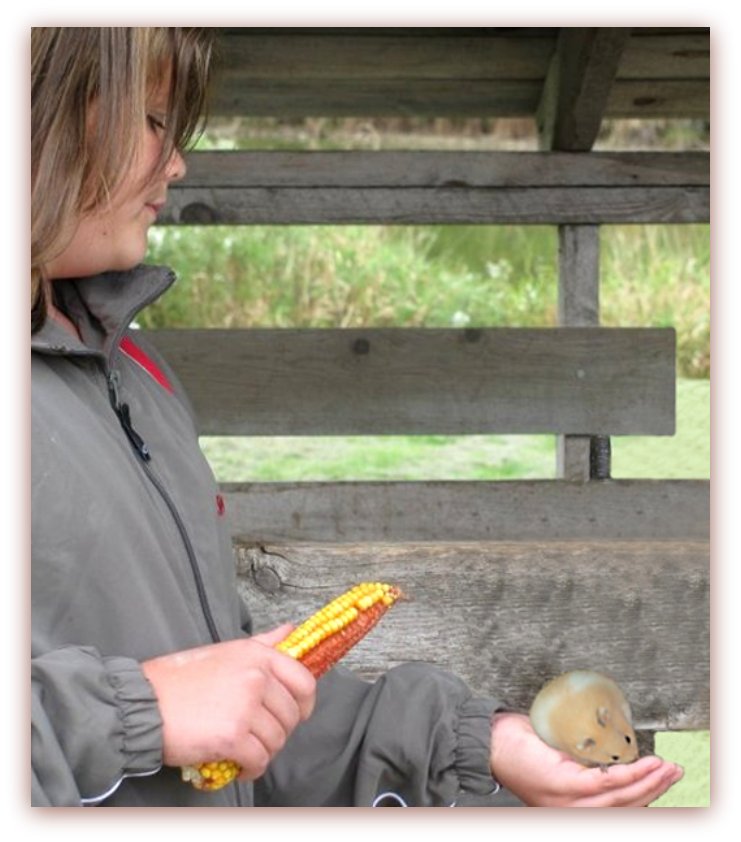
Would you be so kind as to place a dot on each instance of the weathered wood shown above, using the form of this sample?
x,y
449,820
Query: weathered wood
x,y
637,98
376,98
572,457
443,72
445,205
477,187
680,55
428,169
576,90
494,53
578,275
506,617
666,98
523,510
247,55
578,306
616,381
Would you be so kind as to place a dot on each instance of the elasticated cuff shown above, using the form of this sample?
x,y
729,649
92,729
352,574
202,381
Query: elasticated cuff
x,y
141,723
473,754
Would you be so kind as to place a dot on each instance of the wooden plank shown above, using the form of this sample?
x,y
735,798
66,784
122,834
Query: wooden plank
x,y
375,97
274,187
277,169
523,510
636,98
437,206
437,71
682,55
640,98
247,56
493,53
506,617
577,88
416,381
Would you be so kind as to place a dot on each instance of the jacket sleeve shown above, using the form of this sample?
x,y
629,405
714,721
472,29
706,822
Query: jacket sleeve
x,y
94,722
417,732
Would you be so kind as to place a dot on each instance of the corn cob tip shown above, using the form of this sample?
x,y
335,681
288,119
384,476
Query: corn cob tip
x,y
211,776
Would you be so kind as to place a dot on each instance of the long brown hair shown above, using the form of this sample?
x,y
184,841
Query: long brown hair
x,y
75,168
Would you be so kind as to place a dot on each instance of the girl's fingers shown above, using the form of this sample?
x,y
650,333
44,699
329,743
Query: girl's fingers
x,y
638,787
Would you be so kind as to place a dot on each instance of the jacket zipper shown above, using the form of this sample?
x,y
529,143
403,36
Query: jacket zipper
x,y
144,455
142,451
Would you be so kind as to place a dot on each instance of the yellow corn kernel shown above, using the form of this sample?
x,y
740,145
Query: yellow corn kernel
x,y
319,643
211,776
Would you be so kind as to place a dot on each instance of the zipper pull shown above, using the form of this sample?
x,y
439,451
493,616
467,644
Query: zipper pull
x,y
138,443
124,416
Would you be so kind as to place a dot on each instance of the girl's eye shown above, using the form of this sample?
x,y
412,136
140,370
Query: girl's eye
x,y
155,123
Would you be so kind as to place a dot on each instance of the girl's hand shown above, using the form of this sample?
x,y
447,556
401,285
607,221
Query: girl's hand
x,y
543,777
238,700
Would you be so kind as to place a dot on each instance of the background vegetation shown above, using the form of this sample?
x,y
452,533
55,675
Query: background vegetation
x,y
442,276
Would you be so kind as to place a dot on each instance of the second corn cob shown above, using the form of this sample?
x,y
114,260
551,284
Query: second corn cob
x,y
318,643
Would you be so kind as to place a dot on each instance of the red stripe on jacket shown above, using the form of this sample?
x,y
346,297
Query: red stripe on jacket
x,y
134,352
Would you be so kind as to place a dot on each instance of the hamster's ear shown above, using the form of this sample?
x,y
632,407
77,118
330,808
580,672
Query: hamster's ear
x,y
603,716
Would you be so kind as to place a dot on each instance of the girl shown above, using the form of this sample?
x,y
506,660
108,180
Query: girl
x,y
142,659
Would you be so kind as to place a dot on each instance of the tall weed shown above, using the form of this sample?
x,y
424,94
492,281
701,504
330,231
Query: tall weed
x,y
435,276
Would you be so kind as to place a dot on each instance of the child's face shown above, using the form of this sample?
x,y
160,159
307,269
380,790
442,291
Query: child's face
x,y
114,236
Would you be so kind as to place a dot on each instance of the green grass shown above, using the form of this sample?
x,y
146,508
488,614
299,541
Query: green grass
x,y
685,455
692,752
380,458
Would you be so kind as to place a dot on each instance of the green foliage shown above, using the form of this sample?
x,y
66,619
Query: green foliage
x,y
435,276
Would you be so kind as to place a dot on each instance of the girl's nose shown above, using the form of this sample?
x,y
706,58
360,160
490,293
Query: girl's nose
x,y
176,168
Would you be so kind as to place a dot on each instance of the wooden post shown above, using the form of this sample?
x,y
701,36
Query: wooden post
x,y
578,306
578,85
574,99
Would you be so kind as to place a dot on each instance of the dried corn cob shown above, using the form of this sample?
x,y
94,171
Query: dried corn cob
x,y
318,643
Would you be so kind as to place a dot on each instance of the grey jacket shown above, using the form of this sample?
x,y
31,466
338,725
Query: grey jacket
x,y
131,559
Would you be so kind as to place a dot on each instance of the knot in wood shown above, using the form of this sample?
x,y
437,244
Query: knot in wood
x,y
361,347
266,578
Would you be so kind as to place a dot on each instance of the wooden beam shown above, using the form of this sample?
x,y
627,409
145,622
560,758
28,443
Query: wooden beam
x,y
419,381
475,72
506,617
655,98
523,510
376,98
577,88
235,188
246,55
342,169
437,206
679,56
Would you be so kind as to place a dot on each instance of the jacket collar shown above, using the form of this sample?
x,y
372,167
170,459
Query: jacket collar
x,y
102,307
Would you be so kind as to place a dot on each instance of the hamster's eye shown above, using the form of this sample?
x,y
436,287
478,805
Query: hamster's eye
x,y
628,739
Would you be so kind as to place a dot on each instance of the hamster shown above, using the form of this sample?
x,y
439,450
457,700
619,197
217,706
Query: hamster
x,y
586,715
